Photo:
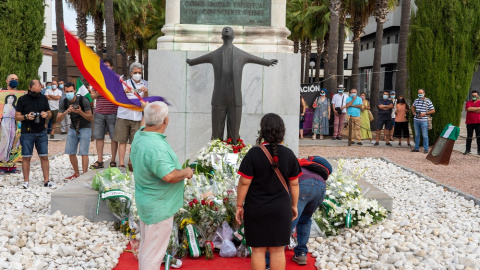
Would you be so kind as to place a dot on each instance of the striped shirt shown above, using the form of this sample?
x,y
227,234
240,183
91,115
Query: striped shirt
x,y
422,105
103,106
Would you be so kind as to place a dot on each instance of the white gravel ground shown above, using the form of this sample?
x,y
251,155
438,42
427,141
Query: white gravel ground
x,y
31,238
431,228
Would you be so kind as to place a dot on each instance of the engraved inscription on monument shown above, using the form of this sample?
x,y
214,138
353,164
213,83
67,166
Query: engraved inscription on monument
x,y
226,12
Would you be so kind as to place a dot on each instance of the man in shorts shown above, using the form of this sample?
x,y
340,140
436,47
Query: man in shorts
x,y
104,120
53,95
80,131
384,119
128,121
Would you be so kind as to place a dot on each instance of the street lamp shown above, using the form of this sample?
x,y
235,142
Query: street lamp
x,y
312,64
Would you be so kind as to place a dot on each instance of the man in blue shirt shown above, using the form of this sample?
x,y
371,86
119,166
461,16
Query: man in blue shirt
x,y
354,104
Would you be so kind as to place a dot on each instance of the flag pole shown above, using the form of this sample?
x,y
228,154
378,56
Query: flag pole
x,y
130,88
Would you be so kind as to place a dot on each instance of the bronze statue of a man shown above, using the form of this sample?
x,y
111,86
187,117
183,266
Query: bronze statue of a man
x,y
228,62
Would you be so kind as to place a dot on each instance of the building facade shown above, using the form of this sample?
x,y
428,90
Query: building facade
x,y
45,69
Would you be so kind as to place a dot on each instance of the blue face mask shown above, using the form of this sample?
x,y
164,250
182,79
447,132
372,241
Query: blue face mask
x,y
49,87
54,87
60,86
385,96
420,95
392,96
13,83
353,94
70,95
322,94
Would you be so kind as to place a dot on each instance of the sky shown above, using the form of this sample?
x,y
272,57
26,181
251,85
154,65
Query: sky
x,y
69,17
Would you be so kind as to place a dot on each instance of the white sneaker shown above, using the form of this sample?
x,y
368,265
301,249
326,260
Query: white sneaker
x,y
372,142
25,185
49,184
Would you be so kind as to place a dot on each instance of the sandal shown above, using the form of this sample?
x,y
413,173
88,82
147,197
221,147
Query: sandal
x,y
96,165
113,164
130,167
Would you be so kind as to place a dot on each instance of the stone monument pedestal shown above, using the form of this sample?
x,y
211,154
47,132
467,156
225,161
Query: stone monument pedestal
x,y
189,90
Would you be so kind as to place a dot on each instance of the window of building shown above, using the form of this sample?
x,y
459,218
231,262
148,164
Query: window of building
x,y
367,46
388,40
373,45
45,77
361,47
396,39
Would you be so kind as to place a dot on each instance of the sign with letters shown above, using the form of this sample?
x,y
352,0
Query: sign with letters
x,y
226,12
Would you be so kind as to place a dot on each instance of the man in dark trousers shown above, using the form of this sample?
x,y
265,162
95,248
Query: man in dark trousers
x,y
228,62
33,109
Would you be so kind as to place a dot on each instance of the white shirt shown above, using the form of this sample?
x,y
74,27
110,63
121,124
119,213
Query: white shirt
x,y
394,107
129,114
337,101
54,104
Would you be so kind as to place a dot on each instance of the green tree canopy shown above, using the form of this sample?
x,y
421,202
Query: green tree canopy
x,y
443,53
21,32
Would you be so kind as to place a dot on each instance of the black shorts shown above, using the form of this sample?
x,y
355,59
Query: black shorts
x,y
381,122
401,130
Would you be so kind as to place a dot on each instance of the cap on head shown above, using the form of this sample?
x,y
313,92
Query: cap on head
x,y
341,86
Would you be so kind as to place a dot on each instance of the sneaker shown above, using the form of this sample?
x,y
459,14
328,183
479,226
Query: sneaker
x,y
360,143
63,133
466,152
300,259
49,184
52,136
425,151
72,177
25,185
339,138
334,138
372,142
389,144
415,150
376,144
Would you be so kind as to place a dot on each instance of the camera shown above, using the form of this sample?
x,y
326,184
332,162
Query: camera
x,y
75,106
37,118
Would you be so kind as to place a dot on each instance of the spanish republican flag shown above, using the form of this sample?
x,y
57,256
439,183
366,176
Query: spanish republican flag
x,y
104,80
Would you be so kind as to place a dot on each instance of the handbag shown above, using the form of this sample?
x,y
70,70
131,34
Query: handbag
x,y
430,122
339,111
277,171
370,116
302,118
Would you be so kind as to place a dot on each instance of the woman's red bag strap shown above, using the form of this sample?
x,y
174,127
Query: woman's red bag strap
x,y
277,171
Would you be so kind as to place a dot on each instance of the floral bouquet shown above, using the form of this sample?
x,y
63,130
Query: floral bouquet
x,y
117,190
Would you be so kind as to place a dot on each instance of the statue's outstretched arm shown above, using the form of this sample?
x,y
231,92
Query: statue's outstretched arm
x,y
207,58
260,61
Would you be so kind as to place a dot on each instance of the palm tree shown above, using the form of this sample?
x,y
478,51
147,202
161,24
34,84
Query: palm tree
x,y
98,19
82,7
61,49
381,11
360,11
110,32
331,67
341,44
401,80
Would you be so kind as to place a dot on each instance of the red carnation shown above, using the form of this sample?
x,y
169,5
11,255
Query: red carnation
x,y
275,159
229,140
216,209
195,201
190,204
203,202
225,199
212,204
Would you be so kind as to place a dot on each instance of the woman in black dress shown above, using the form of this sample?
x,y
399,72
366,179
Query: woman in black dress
x,y
268,210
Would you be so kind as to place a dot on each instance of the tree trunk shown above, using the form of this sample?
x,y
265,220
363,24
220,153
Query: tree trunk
x,y
61,49
123,46
99,45
401,79
331,67
110,32
341,43
320,43
145,64
357,32
140,54
295,46
325,60
302,63
377,63
308,52
81,24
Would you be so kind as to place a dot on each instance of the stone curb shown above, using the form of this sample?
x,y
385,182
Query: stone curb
x,y
429,179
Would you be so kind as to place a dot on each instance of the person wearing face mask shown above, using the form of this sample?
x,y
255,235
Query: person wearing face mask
x,y
385,106
473,121
12,82
80,130
365,131
354,105
394,100
339,105
53,95
401,121
65,123
128,121
321,115
421,108
33,109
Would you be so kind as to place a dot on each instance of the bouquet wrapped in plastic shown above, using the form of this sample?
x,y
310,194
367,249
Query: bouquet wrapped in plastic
x,y
117,190
223,241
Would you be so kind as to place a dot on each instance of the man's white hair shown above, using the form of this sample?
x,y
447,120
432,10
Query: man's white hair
x,y
155,113
136,65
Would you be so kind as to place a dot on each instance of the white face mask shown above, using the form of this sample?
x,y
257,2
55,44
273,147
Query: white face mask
x,y
137,77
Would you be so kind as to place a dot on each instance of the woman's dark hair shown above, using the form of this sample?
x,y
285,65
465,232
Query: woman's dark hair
x,y
404,102
272,130
14,99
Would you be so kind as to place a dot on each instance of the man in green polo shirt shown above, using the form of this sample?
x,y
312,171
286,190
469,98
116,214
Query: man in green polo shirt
x,y
158,185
